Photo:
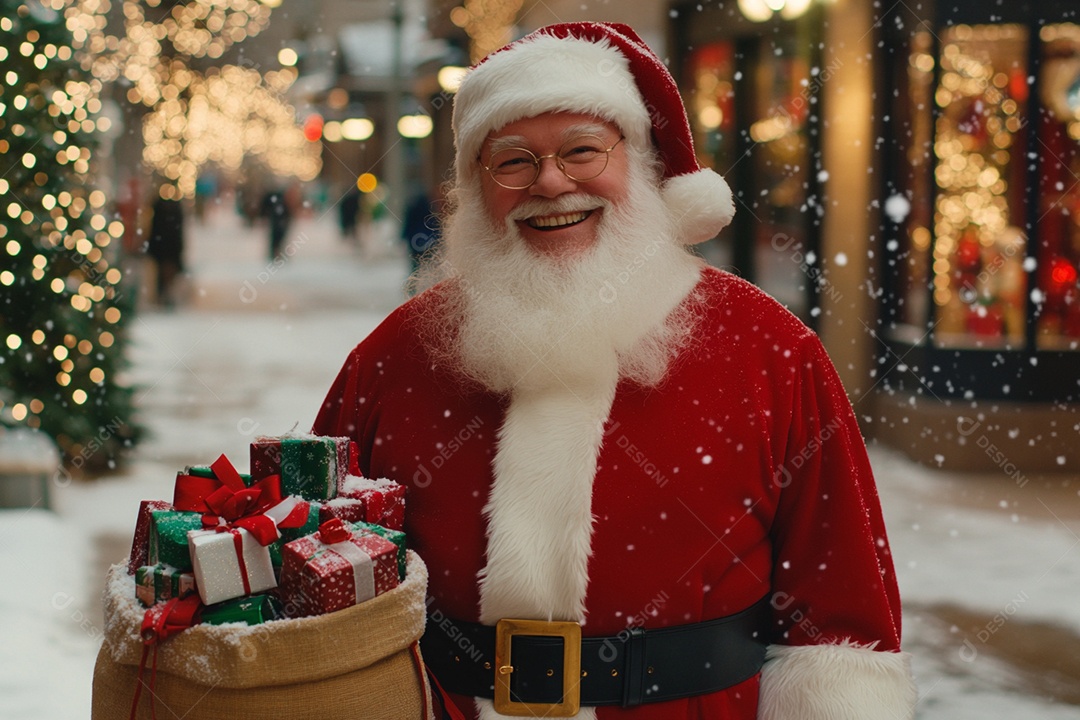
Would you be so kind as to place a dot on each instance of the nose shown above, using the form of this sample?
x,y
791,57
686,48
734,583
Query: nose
x,y
551,181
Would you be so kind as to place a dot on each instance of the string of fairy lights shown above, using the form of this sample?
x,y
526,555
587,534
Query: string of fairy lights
x,y
489,25
74,220
228,118
196,119
971,174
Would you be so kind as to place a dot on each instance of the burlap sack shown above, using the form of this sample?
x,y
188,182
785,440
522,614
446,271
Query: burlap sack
x,y
354,664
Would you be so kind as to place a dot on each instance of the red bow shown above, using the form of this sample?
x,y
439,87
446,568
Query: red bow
x,y
244,508
226,503
334,531
192,492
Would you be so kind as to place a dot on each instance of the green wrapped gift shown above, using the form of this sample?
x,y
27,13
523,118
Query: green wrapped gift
x,y
168,537
395,536
204,471
290,534
251,609
156,583
310,466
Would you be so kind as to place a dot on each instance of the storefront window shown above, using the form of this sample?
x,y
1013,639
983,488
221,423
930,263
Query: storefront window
x,y
1058,254
783,206
964,272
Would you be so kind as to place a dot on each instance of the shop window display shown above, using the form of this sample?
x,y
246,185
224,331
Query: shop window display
x,y
967,274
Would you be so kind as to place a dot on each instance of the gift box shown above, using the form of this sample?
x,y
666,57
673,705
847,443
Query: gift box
x,y
395,536
346,509
252,610
140,543
335,568
310,466
229,563
384,500
156,583
168,542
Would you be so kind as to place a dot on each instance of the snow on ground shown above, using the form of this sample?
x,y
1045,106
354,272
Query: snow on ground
x,y
254,350
980,561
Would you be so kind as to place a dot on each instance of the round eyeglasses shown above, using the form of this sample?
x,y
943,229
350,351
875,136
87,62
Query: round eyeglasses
x,y
580,159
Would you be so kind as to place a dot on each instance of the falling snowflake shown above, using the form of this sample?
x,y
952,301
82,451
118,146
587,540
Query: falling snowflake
x,y
897,208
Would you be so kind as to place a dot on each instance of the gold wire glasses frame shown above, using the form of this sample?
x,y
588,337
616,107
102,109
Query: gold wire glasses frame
x,y
581,159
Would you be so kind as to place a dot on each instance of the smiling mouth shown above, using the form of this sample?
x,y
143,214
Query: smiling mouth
x,y
554,222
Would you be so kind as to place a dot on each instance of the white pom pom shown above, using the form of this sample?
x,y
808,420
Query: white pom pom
x,y
700,203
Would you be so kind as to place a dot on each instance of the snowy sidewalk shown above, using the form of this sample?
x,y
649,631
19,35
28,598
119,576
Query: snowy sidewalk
x,y
984,566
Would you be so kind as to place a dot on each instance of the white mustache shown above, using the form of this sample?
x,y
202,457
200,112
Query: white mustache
x,y
558,206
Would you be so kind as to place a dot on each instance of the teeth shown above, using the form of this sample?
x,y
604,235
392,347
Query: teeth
x,y
557,220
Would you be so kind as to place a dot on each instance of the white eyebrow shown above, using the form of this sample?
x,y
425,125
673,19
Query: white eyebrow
x,y
505,142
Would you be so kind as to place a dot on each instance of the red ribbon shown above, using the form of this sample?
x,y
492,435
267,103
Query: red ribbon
x,y
334,531
238,546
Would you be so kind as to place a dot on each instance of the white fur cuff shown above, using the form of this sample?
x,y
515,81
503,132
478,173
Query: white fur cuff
x,y
836,682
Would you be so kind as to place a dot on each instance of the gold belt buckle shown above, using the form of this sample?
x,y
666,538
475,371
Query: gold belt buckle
x,y
570,632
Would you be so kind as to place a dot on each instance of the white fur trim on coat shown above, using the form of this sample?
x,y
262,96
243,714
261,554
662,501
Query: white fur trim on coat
x,y
540,507
845,681
544,469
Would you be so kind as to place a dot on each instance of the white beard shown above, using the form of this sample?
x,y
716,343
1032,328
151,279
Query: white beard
x,y
517,320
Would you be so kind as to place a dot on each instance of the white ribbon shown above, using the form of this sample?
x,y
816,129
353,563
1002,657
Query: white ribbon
x,y
363,568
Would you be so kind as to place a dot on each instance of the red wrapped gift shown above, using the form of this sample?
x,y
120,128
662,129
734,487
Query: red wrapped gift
x,y
335,568
384,500
348,510
140,543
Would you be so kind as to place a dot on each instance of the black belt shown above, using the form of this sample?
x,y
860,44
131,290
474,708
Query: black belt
x,y
634,667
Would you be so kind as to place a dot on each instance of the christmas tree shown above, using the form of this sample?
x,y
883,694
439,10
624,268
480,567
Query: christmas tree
x,y
63,306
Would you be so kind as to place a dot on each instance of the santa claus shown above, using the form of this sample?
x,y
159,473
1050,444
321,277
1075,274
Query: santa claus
x,y
636,480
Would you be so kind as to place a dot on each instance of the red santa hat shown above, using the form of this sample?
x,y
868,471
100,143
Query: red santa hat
x,y
602,69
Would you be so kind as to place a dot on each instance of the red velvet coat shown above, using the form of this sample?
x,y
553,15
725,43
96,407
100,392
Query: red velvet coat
x,y
742,474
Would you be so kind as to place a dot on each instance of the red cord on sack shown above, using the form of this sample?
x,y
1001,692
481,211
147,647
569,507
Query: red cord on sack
x,y
450,710
160,622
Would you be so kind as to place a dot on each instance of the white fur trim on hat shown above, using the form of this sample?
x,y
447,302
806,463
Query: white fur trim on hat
x,y
700,203
845,681
546,74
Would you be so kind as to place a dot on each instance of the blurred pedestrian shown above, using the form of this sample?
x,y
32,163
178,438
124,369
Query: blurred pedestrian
x,y
348,212
166,246
278,210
